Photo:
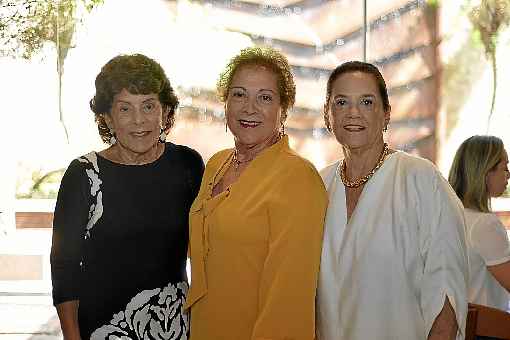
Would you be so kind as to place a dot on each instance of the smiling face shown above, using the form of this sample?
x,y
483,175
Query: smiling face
x,y
497,178
253,106
356,112
136,120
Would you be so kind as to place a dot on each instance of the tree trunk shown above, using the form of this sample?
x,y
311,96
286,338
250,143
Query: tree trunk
x,y
494,87
60,70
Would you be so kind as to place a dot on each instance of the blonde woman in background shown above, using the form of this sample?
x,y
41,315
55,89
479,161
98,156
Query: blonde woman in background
x,y
479,172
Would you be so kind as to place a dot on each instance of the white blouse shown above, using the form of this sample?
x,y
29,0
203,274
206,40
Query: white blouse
x,y
385,274
487,246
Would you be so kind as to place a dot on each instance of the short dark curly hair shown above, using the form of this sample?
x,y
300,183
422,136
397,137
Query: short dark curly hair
x,y
138,74
261,56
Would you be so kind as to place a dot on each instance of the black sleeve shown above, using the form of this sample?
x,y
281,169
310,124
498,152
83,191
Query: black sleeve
x,y
69,224
196,166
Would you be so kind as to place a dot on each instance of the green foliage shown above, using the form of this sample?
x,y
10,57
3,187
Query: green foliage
x,y
43,185
488,18
26,25
433,3
476,39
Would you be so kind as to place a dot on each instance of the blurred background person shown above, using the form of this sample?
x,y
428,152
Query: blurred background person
x,y
479,172
394,263
120,235
256,225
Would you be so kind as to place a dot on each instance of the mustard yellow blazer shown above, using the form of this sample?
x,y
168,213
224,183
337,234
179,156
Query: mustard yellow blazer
x,y
255,249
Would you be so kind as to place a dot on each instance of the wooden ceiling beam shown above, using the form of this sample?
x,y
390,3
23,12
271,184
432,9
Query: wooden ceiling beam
x,y
314,31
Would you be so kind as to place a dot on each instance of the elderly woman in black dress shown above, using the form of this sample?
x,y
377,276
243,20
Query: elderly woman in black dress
x,y
118,258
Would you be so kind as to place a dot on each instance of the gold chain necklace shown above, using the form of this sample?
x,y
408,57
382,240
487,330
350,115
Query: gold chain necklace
x,y
359,182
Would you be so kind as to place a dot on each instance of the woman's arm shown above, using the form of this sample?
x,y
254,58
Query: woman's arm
x,y
289,278
445,325
501,273
69,223
443,288
68,316
489,239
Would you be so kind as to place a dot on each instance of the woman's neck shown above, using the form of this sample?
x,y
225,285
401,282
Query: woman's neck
x,y
246,153
120,154
360,161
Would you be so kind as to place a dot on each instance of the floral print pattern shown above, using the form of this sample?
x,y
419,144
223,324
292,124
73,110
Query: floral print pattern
x,y
151,314
96,206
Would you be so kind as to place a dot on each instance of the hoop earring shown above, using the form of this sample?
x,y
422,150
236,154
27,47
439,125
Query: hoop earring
x,y
162,136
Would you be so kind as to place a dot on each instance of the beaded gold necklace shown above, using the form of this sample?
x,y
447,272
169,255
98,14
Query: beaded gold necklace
x,y
359,182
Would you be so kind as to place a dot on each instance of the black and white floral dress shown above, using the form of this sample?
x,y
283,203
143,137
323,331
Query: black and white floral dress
x,y
120,239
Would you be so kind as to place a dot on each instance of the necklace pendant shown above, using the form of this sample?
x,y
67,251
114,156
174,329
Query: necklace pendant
x,y
236,165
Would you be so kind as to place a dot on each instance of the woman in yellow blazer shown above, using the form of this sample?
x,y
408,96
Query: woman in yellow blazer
x,y
256,224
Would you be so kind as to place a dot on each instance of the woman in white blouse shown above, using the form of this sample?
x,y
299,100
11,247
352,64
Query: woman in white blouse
x,y
479,172
394,262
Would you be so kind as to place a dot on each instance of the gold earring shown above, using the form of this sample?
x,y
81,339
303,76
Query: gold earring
x,y
326,122
226,124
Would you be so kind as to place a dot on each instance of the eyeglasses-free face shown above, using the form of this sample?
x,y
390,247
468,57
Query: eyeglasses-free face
x,y
136,120
356,110
253,105
497,178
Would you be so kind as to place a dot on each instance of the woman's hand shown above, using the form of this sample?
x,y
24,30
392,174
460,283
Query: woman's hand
x,y
68,315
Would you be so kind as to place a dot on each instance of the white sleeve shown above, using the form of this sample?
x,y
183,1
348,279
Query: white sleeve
x,y
328,174
443,249
489,238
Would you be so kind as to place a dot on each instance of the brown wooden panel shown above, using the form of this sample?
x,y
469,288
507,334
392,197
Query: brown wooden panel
x,y
342,17
310,27
405,137
409,31
472,317
414,102
412,29
34,220
419,65
504,216
426,148
492,322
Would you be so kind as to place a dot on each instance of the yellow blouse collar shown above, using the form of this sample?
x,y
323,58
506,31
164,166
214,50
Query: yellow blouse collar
x,y
267,156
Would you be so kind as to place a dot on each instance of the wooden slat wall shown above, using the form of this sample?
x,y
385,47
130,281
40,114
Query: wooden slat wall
x,y
34,220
